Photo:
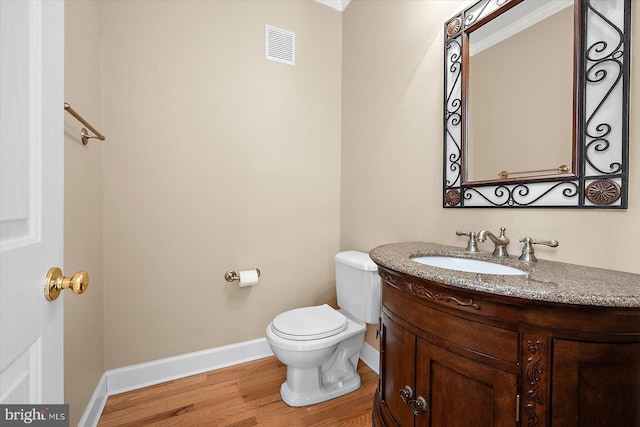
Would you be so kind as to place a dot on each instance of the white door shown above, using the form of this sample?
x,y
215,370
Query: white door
x,y
31,199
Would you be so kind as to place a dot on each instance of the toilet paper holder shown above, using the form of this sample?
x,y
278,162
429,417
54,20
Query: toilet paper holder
x,y
231,275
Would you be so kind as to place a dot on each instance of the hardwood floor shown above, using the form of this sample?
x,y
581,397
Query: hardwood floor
x,y
239,396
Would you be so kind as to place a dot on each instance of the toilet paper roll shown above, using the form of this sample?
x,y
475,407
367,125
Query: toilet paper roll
x,y
248,278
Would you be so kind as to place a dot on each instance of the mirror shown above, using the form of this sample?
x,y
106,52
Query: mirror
x,y
536,104
509,84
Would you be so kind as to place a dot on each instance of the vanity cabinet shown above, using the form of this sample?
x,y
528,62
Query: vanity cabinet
x,y
480,359
452,387
597,382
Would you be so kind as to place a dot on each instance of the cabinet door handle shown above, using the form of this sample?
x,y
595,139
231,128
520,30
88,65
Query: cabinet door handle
x,y
418,406
406,393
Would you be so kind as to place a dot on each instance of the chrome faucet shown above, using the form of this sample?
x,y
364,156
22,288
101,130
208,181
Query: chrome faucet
x,y
500,241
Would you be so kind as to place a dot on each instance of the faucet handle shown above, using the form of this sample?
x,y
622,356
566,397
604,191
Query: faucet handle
x,y
472,244
502,235
527,248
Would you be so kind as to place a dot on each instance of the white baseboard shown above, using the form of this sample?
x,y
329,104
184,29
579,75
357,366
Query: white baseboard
x,y
96,404
163,370
371,357
141,375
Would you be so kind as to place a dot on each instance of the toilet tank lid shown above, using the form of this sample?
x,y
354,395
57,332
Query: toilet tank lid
x,y
356,259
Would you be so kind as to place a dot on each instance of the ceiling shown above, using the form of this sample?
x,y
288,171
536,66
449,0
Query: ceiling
x,y
335,4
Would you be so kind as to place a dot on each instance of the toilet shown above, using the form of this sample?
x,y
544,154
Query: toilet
x,y
320,345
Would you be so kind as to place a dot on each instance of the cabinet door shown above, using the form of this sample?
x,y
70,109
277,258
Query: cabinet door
x,y
398,362
461,392
595,384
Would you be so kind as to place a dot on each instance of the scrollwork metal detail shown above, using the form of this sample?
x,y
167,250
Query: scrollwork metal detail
x,y
482,9
602,117
519,195
604,70
453,112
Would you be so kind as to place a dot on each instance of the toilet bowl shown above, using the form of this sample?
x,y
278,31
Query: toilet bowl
x,y
320,368
320,345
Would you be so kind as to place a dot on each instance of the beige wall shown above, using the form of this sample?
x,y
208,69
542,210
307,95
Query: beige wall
x,y
392,148
83,315
217,159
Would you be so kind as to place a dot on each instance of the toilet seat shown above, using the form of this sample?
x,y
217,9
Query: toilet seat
x,y
309,323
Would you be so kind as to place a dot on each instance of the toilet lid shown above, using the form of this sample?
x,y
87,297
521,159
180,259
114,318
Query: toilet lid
x,y
309,323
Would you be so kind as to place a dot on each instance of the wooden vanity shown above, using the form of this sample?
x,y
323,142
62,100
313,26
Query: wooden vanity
x,y
559,346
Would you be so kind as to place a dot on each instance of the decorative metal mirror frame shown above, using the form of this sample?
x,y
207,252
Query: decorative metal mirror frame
x,y
595,185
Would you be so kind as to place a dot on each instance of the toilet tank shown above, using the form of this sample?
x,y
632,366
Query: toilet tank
x,y
358,286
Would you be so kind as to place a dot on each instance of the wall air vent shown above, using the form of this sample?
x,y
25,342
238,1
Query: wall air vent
x,y
280,45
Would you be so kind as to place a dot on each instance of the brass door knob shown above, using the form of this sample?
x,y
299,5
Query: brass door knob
x,y
56,283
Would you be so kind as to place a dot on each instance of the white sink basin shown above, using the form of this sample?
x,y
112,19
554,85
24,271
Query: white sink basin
x,y
468,265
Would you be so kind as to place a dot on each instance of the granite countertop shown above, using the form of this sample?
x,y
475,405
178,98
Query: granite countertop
x,y
545,280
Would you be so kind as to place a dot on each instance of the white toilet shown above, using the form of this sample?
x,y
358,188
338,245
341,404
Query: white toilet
x,y
321,346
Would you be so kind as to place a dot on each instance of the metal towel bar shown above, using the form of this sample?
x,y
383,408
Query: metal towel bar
x,y
84,133
560,170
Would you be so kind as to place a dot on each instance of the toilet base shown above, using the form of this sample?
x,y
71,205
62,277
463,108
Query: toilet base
x,y
310,398
322,369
